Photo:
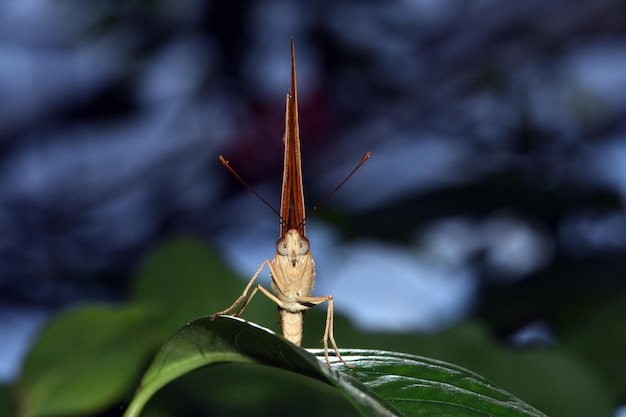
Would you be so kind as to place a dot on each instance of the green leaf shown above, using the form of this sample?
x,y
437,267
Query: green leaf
x,y
419,386
228,339
575,389
381,384
84,360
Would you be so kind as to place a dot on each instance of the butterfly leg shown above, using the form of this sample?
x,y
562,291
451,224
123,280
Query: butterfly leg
x,y
328,330
244,296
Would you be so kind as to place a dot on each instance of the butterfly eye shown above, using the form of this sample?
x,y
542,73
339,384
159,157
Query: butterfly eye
x,y
281,246
303,248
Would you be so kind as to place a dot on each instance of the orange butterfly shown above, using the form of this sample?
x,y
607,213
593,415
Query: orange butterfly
x,y
293,269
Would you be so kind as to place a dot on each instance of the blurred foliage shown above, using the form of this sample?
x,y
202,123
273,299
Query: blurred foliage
x,y
579,297
6,402
90,358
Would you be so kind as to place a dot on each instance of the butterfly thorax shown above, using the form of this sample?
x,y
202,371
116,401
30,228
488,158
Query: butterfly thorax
x,y
294,268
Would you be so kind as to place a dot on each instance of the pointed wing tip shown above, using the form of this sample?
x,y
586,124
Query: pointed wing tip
x,y
293,68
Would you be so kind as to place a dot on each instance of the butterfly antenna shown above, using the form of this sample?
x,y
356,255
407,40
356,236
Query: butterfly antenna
x,y
245,184
325,199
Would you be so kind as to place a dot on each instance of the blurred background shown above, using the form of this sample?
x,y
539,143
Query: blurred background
x,y
489,222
